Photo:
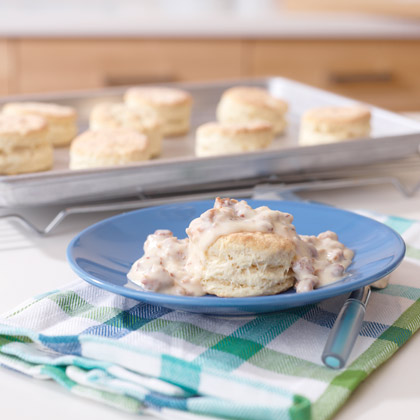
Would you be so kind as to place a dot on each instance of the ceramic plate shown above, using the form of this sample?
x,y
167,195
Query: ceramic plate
x,y
103,254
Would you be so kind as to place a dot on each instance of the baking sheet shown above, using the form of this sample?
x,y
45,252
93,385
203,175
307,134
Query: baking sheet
x,y
393,137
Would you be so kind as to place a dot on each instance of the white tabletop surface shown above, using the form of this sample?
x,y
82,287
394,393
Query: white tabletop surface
x,y
30,265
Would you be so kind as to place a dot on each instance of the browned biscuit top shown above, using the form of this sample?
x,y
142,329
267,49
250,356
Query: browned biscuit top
x,y
158,96
254,96
255,242
338,115
21,124
108,142
47,110
231,129
119,115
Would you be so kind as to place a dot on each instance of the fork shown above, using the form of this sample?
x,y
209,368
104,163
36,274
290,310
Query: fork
x,y
347,326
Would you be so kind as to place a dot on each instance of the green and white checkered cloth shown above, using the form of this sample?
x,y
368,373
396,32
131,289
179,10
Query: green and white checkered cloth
x,y
143,358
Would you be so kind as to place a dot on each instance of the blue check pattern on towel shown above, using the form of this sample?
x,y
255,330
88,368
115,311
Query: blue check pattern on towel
x,y
143,358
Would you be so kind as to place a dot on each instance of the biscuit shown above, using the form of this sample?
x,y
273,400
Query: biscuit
x,y
173,106
100,148
219,139
119,115
24,145
332,124
61,120
243,104
248,264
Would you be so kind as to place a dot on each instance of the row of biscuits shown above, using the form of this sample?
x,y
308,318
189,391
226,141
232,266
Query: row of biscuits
x,y
249,118
132,131
120,133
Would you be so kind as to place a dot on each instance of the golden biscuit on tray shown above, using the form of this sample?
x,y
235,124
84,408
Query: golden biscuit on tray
x,y
173,106
120,115
101,148
24,144
334,123
244,104
61,120
220,139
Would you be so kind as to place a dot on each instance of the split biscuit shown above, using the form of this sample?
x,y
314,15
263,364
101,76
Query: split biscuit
x,y
24,144
334,123
61,120
101,148
120,115
173,106
219,139
248,264
243,104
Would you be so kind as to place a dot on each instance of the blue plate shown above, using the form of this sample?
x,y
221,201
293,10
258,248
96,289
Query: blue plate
x,y
103,254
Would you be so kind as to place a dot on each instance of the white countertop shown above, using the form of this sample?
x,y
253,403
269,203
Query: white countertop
x,y
30,265
189,18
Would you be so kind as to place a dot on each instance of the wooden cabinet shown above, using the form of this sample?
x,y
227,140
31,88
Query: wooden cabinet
x,y
382,72
7,70
47,65
385,73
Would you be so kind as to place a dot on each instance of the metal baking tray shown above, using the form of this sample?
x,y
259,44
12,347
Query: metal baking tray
x,y
393,137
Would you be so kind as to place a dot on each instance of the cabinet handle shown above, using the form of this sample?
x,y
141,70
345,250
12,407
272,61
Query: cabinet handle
x,y
116,80
367,77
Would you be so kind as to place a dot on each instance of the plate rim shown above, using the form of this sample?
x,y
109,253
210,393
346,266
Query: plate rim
x,y
286,299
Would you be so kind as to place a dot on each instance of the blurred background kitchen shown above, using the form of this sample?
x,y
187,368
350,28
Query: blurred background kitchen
x,y
368,50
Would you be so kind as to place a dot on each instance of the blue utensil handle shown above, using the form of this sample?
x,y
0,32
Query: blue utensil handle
x,y
345,330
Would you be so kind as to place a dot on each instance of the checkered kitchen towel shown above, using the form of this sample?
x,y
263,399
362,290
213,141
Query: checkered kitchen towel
x,y
144,358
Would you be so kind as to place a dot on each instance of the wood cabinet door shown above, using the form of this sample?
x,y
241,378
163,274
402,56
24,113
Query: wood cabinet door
x,y
7,67
47,65
386,73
